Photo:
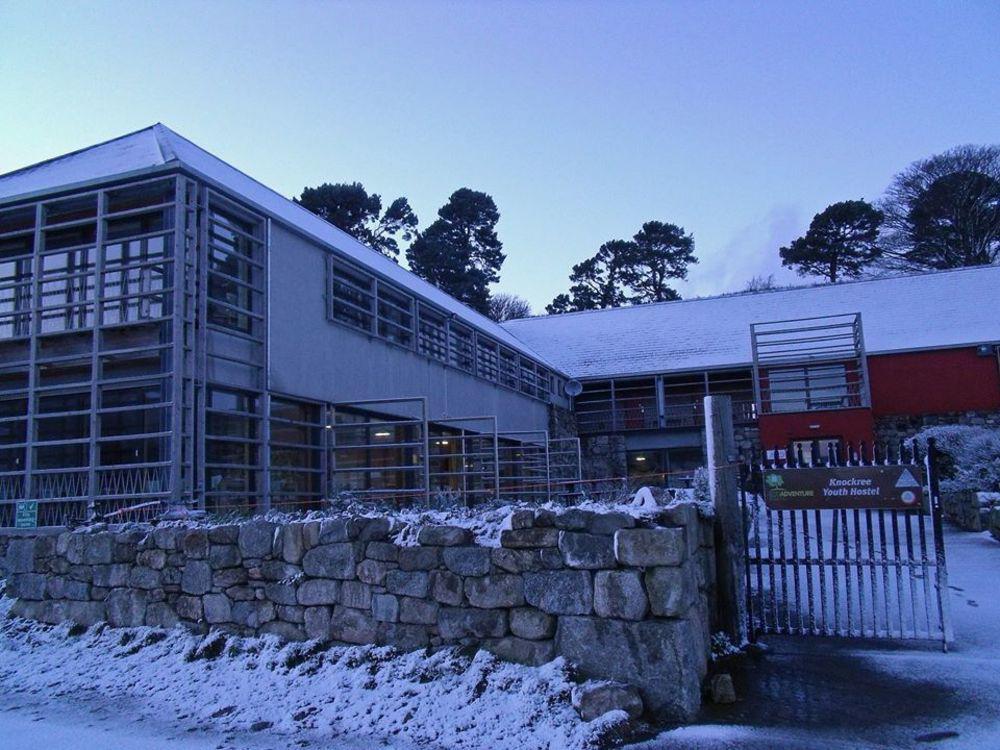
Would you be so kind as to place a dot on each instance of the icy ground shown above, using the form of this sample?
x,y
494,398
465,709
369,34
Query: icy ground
x,y
146,688
810,692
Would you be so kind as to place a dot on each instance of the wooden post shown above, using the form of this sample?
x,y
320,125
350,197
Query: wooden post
x,y
730,540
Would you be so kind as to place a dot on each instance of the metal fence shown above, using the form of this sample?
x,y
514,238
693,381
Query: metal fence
x,y
849,572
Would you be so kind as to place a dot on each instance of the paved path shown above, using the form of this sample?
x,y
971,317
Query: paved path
x,y
828,693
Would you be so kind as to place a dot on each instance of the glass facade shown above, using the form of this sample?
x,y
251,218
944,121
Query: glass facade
x,y
86,341
133,338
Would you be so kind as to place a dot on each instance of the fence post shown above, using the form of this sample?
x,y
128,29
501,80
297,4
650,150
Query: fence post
x,y
730,539
941,566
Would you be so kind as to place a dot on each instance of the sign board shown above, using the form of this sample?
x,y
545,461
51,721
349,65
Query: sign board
x,y
889,487
26,514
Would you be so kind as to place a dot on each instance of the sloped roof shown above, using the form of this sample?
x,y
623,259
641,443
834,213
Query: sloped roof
x,y
158,146
921,311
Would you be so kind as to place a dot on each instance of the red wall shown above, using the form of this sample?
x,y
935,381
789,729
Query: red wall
x,y
933,382
852,425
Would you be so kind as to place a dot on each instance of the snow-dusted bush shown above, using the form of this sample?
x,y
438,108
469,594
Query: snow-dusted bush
x,y
970,456
701,486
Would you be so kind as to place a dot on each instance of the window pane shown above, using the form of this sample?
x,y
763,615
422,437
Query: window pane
x,y
433,340
71,209
460,339
151,194
63,428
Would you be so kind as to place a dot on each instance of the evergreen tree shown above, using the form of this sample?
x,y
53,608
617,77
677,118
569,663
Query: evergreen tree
x,y
629,271
842,241
460,252
562,303
661,252
599,281
944,211
351,208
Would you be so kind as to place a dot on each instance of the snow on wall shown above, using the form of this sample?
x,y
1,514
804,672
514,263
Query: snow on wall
x,y
920,311
557,585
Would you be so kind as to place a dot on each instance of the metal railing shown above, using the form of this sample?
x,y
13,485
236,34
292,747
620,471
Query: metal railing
x,y
642,414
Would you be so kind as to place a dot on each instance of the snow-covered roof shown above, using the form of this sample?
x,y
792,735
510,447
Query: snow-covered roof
x,y
159,147
921,311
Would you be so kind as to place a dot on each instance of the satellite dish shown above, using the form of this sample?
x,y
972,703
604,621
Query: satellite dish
x,y
573,387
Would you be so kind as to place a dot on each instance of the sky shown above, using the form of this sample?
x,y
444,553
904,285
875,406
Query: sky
x,y
737,121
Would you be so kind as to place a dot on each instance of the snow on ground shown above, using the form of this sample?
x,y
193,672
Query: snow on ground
x,y
296,694
811,692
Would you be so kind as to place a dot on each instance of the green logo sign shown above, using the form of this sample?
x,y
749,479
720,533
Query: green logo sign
x,y
774,481
26,515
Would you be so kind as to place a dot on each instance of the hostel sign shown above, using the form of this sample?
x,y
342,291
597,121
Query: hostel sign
x,y
835,487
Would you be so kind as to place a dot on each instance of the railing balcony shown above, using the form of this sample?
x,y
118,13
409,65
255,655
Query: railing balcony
x,y
642,414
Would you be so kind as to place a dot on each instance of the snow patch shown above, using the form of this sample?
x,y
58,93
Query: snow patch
x,y
303,691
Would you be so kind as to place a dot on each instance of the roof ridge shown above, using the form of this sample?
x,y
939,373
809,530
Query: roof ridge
x,y
161,135
746,293
42,163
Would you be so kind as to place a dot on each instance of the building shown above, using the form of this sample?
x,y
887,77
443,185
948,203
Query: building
x,y
851,362
174,332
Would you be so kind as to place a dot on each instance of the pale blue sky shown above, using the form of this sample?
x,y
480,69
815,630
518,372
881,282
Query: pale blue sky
x,y
582,120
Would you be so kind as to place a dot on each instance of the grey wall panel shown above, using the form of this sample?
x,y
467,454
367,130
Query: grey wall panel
x,y
314,358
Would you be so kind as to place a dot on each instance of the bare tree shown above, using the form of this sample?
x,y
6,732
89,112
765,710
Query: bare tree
x,y
761,283
505,306
944,211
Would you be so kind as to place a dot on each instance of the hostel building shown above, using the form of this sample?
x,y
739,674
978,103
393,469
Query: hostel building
x,y
174,332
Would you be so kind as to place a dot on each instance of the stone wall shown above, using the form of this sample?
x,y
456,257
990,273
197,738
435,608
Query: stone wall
x,y
747,439
968,509
603,456
622,600
902,427
562,423
994,527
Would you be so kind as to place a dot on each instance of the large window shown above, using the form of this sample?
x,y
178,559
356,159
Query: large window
x,y
296,453
236,271
375,454
808,388
232,450
16,250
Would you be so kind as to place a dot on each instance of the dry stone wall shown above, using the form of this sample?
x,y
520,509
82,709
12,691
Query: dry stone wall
x,y
622,599
970,510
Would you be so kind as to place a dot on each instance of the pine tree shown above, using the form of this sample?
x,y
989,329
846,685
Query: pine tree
x,y
460,252
599,281
351,208
842,241
661,252
632,271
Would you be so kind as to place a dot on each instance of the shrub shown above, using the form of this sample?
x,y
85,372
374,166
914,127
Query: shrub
x,y
970,456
